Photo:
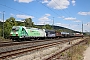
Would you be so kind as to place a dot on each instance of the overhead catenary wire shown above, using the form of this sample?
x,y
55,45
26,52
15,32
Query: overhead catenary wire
x,y
14,9
30,14
60,7
49,8
25,12
34,11
54,11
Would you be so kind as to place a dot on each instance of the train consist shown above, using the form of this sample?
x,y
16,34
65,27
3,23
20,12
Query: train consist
x,y
22,32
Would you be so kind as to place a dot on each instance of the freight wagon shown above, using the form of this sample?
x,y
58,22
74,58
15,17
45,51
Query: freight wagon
x,y
50,33
58,34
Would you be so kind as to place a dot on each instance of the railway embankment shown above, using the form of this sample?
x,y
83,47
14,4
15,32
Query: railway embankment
x,y
65,51
86,53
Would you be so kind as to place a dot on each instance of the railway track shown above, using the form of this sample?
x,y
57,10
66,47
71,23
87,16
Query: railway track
x,y
16,52
4,44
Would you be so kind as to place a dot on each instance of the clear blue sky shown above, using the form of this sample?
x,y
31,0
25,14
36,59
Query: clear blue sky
x,y
66,13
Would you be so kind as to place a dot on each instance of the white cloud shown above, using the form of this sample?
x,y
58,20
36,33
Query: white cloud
x,y
40,23
70,18
24,16
45,17
43,23
24,1
77,21
75,27
70,26
62,25
84,13
45,1
58,4
12,14
73,2
58,24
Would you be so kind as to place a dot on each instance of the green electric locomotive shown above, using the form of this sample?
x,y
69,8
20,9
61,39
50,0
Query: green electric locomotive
x,y
22,32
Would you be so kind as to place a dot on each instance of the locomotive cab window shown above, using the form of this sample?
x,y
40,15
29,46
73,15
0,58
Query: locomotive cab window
x,y
15,29
22,29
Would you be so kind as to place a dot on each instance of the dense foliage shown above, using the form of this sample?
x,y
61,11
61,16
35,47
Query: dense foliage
x,y
8,25
29,23
10,22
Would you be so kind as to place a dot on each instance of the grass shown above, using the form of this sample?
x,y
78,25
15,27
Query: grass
x,y
77,52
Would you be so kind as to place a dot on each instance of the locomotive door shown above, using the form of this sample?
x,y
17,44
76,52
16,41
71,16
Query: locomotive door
x,y
23,32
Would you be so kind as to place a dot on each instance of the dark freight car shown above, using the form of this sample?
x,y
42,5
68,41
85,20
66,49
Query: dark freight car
x,y
50,33
65,34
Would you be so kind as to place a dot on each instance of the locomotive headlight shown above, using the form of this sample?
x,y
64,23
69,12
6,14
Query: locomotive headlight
x,y
16,34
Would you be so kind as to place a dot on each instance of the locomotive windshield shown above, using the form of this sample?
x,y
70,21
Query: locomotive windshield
x,y
15,28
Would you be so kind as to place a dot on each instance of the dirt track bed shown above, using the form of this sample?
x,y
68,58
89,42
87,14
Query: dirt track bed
x,y
4,40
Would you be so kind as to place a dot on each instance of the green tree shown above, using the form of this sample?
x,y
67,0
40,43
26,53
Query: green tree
x,y
29,23
19,23
38,27
0,32
47,26
9,23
